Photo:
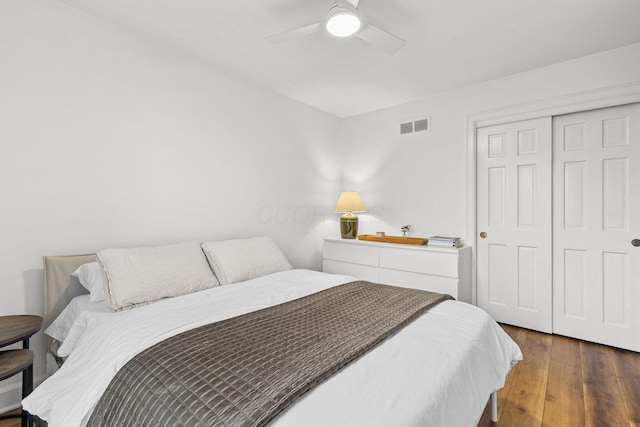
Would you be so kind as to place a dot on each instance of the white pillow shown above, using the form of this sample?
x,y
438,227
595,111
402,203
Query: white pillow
x,y
235,261
60,327
90,276
141,275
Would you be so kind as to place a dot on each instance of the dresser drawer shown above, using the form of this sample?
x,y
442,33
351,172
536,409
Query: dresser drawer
x,y
443,270
359,271
435,263
346,252
425,282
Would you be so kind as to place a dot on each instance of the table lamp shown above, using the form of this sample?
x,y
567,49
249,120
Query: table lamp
x,y
348,203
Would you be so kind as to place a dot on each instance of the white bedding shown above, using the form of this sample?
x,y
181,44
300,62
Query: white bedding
x,y
439,370
67,328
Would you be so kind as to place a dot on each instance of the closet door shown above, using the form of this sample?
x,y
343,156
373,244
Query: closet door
x,y
596,277
514,223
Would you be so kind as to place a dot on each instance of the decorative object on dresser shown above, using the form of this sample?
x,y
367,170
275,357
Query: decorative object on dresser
x,y
14,329
405,229
349,202
449,242
394,239
437,269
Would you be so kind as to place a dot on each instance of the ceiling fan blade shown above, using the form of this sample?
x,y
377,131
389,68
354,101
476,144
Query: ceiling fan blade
x,y
380,39
294,34
353,3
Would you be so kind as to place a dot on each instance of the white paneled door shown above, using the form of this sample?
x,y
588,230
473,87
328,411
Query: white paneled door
x,y
596,218
514,221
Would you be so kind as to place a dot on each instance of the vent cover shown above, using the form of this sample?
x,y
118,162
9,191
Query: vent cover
x,y
418,125
421,125
406,128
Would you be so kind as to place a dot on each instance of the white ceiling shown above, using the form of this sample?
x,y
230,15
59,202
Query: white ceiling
x,y
450,43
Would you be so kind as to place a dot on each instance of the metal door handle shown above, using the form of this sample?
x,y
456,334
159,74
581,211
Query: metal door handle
x,y
635,242
483,235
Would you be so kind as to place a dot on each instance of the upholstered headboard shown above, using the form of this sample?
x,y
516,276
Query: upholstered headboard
x,y
59,286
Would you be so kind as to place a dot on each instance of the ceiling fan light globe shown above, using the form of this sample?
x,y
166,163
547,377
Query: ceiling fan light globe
x,y
343,24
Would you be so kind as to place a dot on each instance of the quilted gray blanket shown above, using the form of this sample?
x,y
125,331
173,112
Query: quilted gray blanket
x,y
245,370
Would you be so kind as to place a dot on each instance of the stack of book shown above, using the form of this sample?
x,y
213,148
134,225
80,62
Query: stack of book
x,y
449,242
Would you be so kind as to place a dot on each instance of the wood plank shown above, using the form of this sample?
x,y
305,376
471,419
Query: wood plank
x,y
503,396
564,400
566,350
519,335
11,422
604,404
627,367
524,405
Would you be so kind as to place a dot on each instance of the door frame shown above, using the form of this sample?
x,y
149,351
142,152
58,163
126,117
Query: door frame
x,y
571,103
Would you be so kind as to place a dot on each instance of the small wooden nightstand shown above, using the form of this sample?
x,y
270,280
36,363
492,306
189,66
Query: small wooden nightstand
x,y
12,330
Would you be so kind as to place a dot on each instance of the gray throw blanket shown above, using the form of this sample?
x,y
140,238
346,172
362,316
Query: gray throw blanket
x,y
245,370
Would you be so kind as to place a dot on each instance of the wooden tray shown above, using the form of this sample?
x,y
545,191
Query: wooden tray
x,y
395,239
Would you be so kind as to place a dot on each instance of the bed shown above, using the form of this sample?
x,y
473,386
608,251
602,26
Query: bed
x,y
439,370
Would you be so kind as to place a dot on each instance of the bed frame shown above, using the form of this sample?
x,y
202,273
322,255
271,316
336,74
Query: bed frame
x,y
61,288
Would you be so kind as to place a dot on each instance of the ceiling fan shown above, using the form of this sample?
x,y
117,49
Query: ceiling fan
x,y
343,20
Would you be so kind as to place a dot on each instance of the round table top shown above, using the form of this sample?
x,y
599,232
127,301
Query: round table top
x,y
14,361
18,327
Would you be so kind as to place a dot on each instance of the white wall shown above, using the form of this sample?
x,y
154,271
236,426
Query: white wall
x,y
421,179
110,139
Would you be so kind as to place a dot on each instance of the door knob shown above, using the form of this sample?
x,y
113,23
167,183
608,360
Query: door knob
x,y
635,242
483,235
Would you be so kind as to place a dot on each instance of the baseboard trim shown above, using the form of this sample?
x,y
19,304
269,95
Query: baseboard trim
x,y
10,394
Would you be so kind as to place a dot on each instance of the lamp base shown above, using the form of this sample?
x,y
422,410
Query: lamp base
x,y
349,226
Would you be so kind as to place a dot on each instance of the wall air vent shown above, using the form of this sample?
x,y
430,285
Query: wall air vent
x,y
406,128
417,125
421,125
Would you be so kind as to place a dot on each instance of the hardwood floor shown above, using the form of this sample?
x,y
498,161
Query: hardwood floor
x,y
11,422
562,382
566,382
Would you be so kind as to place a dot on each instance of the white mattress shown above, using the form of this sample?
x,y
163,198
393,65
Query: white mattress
x,y
439,370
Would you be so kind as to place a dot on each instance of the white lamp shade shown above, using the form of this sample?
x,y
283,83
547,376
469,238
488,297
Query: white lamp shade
x,y
350,201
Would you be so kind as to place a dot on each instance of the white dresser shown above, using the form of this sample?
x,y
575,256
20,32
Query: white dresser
x,y
444,270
